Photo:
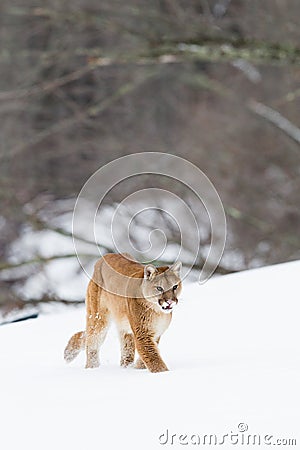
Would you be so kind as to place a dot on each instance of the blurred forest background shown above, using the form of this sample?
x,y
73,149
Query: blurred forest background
x,y
86,81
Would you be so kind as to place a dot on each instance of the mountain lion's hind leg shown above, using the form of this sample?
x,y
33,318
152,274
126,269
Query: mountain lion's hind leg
x,y
140,364
96,331
127,349
97,322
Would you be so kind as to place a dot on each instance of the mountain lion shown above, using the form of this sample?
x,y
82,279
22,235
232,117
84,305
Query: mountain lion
x,y
139,298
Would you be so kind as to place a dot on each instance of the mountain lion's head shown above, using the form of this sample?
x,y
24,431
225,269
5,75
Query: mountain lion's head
x,y
162,286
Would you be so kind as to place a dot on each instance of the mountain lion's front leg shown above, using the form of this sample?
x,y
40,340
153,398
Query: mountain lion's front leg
x,y
140,363
149,353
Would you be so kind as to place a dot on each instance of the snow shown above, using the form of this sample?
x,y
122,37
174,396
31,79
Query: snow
x,y
232,350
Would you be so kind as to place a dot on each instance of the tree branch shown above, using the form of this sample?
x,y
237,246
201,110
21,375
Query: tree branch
x,y
40,260
274,117
91,111
50,85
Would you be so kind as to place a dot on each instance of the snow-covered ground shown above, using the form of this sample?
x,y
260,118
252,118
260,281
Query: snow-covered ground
x,y
233,354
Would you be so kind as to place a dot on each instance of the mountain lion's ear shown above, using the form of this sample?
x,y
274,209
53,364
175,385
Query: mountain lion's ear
x,y
176,268
149,271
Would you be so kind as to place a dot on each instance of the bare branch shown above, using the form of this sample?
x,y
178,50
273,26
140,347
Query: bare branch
x,y
40,260
274,117
39,224
91,111
51,85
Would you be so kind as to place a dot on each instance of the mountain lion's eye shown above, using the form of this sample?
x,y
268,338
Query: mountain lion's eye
x,y
160,289
175,287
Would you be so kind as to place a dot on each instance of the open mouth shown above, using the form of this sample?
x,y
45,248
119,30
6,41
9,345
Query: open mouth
x,y
167,307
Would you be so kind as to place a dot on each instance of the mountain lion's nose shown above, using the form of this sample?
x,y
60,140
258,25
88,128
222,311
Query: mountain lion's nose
x,y
170,301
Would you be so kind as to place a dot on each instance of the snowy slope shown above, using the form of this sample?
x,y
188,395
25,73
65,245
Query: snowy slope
x,y
233,354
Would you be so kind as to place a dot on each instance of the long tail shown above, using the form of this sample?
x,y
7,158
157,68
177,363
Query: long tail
x,y
74,346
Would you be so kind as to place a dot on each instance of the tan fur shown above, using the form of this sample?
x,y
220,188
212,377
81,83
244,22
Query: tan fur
x,y
126,291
